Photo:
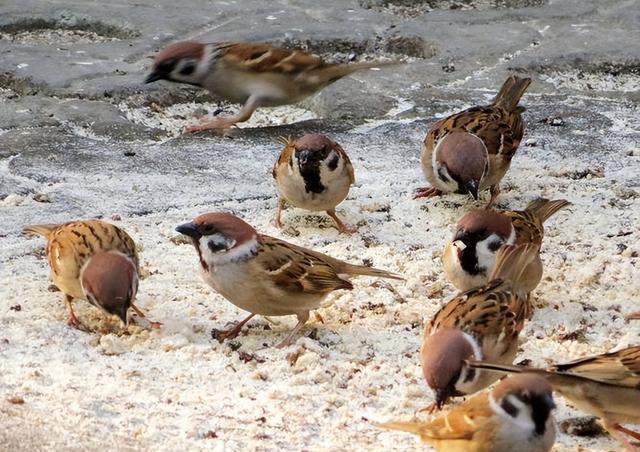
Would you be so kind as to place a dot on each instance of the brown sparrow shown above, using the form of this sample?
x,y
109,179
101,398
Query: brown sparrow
x,y
265,275
514,416
94,261
607,386
253,74
313,173
470,255
471,151
481,322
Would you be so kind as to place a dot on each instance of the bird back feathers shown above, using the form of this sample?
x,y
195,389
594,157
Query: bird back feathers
x,y
511,92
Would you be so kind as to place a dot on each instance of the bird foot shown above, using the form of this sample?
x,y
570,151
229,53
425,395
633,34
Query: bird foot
x,y
223,335
77,324
429,409
426,192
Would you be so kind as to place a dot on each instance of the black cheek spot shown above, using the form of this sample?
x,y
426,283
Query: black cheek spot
x,y
495,245
510,408
216,246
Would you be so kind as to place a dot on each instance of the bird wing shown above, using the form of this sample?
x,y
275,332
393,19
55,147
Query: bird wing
x,y
500,130
297,269
260,57
620,368
489,311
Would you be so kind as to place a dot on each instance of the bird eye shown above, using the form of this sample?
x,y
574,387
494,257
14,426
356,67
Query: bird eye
x,y
208,229
188,68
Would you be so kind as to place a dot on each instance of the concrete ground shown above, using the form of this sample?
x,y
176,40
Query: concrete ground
x,y
82,137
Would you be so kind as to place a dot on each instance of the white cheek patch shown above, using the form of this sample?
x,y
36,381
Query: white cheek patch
x,y
462,382
522,421
229,254
485,255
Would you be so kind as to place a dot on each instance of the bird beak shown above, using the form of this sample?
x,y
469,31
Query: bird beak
x,y
122,313
472,188
549,401
153,77
442,395
460,245
190,230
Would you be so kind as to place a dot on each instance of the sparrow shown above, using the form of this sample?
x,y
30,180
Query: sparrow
x,y
471,151
514,416
313,173
482,324
94,261
264,275
469,257
253,74
607,386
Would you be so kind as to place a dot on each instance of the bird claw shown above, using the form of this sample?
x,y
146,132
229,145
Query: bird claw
x,y
429,409
426,192
77,324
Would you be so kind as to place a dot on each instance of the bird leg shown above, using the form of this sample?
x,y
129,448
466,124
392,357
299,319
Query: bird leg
x,y
426,192
302,319
615,431
281,203
152,325
631,433
221,335
342,228
223,123
73,320
495,191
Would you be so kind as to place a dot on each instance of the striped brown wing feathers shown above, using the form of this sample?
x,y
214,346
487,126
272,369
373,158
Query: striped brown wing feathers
x,y
461,423
528,227
491,124
529,223
296,269
621,368
83,239
485,311
260,57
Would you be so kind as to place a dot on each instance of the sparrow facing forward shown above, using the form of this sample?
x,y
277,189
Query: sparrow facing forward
x,y
607,386
95,261
253,74
513,416
313,173
471,151
265,275
484,321
470,255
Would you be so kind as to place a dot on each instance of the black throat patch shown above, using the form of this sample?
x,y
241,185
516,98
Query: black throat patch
x,y
309,163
